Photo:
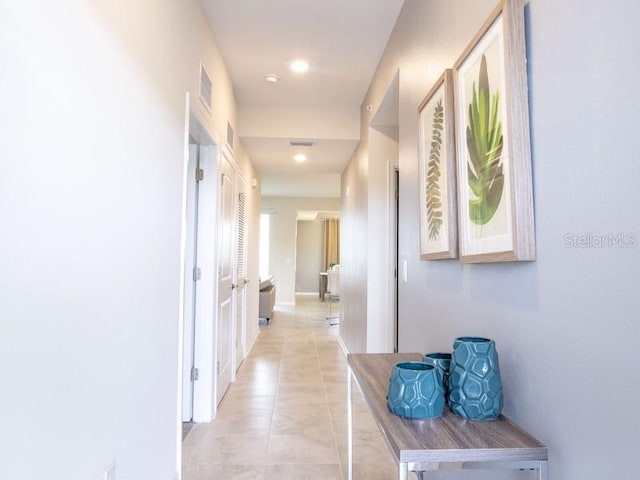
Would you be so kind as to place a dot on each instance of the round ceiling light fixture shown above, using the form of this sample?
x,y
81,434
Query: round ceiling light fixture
x,y
300,157
299,66
271,78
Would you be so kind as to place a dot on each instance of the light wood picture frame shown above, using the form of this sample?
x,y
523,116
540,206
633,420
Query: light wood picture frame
x,y
495,193
437,159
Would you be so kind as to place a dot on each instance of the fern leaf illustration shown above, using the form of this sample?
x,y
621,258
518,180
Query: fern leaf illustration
x,y
433,195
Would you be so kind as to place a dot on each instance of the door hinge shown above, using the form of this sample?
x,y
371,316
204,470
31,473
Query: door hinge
x,y
222,179
218,367
197,274
195,374
199,174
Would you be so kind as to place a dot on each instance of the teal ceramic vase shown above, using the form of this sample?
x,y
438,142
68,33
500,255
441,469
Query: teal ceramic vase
x,y
415,391
442,362
475,387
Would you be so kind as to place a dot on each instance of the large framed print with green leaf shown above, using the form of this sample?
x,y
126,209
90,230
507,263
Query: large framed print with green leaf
x,y
436,149
495,198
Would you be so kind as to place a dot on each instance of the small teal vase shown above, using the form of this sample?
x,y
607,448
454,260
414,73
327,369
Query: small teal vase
x,y
442,362
415,391
475,387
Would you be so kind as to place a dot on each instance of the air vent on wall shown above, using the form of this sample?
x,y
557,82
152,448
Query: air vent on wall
x,y
301,143
206,89
230,135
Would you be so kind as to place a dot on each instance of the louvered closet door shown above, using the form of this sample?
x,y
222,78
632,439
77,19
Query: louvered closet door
x,y
226,270
241,270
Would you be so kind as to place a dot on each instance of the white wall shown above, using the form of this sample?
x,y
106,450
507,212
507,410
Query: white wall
x,y
565,325
91,179
282,244
309,242
382,151
365,325
354,252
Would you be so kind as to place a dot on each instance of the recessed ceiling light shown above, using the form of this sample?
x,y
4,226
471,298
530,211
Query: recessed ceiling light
x,y
271,78
300,157
299,66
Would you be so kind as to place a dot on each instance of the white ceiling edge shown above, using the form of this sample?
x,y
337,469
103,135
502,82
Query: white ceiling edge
x,y
311,185
270,155
322,122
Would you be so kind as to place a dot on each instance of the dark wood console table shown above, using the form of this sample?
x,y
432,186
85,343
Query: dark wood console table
x,y
421,445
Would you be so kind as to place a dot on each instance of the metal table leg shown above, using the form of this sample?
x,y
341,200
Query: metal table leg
x,y
403,471
349,425
544,470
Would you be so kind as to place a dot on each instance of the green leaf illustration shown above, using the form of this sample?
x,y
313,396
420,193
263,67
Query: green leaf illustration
x,y
434,202
484,143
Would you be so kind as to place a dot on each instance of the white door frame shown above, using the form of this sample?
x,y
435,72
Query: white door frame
x,y
190,285
393,190
204,345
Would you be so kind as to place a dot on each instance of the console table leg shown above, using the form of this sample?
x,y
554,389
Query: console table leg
x,y
544,470
403,471
349,425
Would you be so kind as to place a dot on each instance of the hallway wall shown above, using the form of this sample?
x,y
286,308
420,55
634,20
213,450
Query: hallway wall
x,y
554,318
91,185
309,242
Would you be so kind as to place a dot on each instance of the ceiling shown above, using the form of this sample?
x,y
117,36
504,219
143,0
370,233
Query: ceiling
x,y
342,40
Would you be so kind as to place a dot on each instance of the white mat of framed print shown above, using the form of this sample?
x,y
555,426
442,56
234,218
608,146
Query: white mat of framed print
x,y
495,199
436,149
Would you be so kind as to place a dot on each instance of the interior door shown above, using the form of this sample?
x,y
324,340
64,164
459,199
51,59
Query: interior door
x,y
226,274
241,274
190,283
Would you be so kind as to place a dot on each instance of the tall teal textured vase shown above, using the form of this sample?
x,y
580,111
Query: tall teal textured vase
x,y
475,387
415,391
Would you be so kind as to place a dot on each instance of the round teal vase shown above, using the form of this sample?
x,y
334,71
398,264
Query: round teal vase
x,y
415,391
475,387
442,362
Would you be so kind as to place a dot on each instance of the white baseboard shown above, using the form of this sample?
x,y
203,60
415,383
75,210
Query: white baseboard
x,y
251,343
344,348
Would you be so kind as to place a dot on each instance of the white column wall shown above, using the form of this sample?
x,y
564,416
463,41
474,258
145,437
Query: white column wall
x,y
91,179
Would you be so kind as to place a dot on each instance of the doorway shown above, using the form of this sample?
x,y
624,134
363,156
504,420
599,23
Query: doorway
x,y
189,373
384,136
199,270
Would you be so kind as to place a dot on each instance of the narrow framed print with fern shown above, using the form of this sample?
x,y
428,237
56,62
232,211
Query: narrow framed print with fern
x,y
438,230
495,198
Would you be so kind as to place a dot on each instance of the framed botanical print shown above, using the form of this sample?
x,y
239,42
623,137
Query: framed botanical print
x,y
436,150
495,198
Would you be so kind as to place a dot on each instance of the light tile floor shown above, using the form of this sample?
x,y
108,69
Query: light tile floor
x,y
285,417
